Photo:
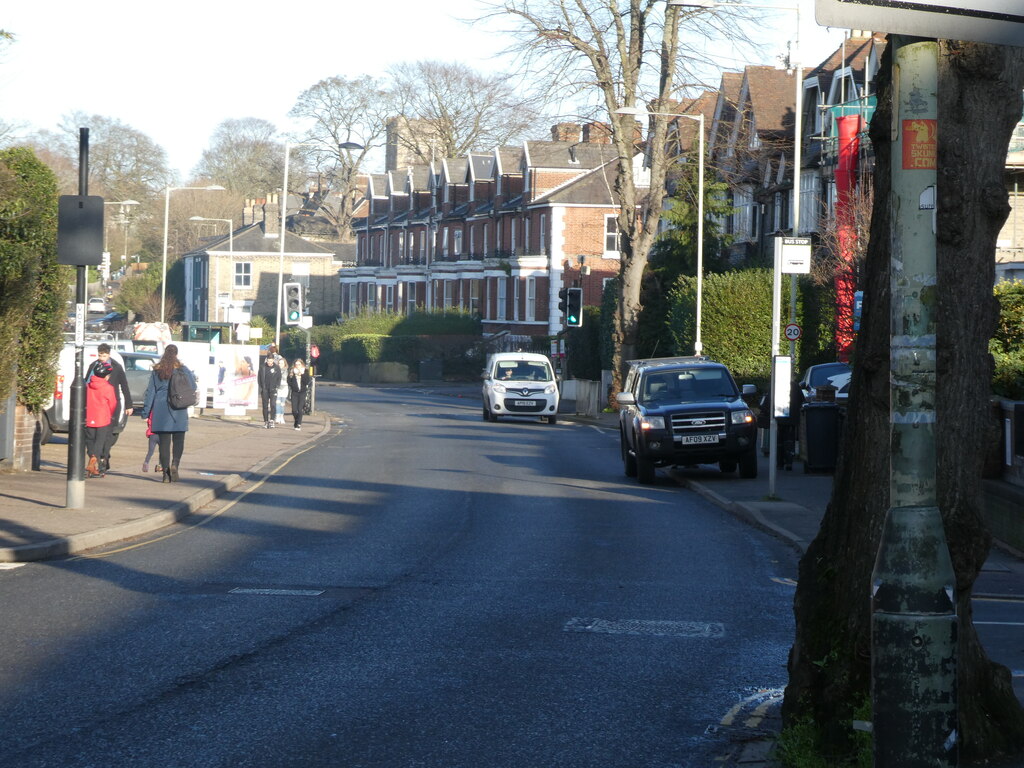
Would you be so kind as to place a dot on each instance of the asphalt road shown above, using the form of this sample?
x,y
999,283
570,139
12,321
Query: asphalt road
x,y
421,588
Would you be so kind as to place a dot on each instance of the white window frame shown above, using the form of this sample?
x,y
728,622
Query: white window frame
x,y
457,241
542,236
612,219
242,275
501,309
531,299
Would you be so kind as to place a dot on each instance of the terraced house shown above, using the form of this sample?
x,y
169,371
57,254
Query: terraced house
x,y
496,233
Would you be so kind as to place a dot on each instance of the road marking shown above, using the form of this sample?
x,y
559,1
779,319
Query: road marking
x,y
648,628
11,566
785,581
268,591
999,623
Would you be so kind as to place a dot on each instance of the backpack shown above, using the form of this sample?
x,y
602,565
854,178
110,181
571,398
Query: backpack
x,y
180,393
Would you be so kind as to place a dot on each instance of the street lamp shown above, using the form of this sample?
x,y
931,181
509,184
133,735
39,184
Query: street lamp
x,y
698,345
125,221
288,146
167,217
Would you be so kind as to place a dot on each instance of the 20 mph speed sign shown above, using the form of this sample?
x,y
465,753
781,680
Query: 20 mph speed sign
x,y
793,332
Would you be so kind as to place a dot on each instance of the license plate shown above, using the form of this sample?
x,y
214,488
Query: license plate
x,y
523,403
698,439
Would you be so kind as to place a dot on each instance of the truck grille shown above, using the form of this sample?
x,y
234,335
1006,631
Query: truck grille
x,y
703,423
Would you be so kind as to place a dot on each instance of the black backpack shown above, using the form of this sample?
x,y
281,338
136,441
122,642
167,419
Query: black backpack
x,y
180,393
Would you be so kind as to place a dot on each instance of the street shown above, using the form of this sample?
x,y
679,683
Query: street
x,y
419,588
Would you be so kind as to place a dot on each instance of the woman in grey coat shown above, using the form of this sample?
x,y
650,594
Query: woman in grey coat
x,y
169,424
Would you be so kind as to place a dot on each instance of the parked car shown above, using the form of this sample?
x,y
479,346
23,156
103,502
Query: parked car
x,y
685,411
96,305
826,374
138,367
520,384
112,321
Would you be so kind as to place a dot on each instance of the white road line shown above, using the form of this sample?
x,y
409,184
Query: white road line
x,y
645,627
289,592
11,566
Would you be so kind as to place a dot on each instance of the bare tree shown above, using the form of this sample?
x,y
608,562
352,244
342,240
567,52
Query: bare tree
x,y
626,53
245,156
124,163
340,113
448,109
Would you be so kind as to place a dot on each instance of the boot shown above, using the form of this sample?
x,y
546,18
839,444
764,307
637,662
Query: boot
x,y
174,473
167,476
92,468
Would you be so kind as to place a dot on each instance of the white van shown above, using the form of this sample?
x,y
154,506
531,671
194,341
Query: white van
x,y
57,415
520,384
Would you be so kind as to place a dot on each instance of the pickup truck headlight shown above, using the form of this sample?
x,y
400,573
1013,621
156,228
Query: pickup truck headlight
x,y
743,417
652,422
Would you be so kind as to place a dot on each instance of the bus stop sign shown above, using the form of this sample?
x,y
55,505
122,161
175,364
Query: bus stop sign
x,y
981,21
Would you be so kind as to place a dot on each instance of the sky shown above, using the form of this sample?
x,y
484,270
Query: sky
x,y
176,71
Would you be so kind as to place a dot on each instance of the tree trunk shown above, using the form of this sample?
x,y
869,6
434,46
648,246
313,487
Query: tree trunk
x,y
829,665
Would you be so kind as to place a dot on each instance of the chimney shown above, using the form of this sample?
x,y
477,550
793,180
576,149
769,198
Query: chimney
x,y
597,133
565,132
271,216
247,212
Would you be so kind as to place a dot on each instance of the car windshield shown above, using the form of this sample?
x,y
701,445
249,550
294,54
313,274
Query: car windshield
x,y
687,386
522,371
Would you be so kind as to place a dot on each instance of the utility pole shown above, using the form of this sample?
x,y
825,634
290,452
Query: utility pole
x,y
913,621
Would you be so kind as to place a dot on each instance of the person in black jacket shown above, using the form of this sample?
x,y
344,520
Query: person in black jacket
x,y
269,379
298,388
119,381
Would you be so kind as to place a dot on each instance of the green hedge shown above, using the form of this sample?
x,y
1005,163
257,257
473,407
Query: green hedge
x,y
737,321
1007,345
33,286
350,344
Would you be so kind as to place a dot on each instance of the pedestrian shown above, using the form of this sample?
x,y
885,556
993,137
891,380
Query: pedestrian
x,y
269,379
169,424
101,407
119,381
299,381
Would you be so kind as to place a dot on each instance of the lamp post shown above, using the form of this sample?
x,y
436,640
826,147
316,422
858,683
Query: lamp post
x,y
288,146
698,345
124,220
167,217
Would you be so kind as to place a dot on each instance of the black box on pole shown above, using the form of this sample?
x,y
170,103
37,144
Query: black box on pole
x,y
80,230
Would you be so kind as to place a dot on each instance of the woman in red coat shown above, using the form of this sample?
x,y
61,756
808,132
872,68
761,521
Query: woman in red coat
x,y
100,406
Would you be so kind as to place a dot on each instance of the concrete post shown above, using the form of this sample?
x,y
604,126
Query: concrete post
x,y
914,623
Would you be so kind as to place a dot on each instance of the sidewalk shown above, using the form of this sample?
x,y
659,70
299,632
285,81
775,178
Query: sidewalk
x,y
220,454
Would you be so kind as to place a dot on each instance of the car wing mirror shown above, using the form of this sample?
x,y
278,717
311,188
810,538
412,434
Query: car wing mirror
x,y
625,398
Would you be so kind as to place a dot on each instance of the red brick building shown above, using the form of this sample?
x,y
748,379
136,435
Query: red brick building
x,y
496,233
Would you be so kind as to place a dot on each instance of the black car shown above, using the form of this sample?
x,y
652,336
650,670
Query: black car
x,y
112,321
685,411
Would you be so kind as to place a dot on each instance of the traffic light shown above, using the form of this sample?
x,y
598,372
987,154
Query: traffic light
x,y
562,295
574,308
292,303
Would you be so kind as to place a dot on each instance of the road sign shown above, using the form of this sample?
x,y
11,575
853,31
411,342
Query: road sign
x,y
793,255
793,332
981,21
